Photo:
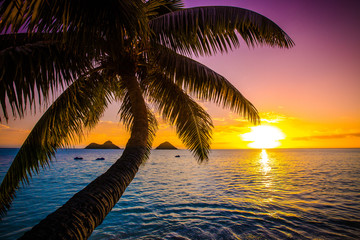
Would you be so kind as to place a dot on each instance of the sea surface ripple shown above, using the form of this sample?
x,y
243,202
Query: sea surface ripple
x,y
237,194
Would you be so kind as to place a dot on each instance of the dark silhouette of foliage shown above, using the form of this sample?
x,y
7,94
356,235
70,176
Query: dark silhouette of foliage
x,y
132,52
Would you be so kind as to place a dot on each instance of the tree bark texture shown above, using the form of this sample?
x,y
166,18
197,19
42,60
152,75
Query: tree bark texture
x,y
78,217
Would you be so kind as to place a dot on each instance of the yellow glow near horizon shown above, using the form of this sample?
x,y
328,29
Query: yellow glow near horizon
x,y
263,137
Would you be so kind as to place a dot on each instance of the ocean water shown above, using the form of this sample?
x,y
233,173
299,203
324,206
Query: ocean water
x,y
237,194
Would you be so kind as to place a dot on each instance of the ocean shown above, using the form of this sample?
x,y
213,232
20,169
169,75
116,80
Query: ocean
x,y
237,194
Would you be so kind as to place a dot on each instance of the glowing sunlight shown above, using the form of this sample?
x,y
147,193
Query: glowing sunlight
x,y
264,160
263,137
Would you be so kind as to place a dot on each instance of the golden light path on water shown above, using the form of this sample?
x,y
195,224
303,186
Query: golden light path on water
x,y
265,169
264,160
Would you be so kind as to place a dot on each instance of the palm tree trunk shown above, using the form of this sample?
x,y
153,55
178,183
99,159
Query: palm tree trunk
x,y
78,217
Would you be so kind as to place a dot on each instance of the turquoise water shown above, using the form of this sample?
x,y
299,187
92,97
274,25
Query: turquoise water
x,y
238,194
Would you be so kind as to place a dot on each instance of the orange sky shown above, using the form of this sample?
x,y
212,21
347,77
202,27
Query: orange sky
x,y
310,92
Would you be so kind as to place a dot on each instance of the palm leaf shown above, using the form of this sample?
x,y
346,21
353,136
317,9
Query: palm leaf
x,y
153,127
155,8
127,117
193,124
78,108
207,30
87,18
203,82
35,67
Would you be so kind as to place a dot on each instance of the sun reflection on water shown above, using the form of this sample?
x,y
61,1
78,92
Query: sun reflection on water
x,y
264,160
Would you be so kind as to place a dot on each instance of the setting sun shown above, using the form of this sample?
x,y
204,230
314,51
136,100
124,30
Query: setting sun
x,y
263,137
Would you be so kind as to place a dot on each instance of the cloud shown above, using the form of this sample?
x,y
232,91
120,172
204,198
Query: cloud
x,y
329,136
230,119
2,126
230,129
163,126
4,129
109,122
272,117
218,119
12,137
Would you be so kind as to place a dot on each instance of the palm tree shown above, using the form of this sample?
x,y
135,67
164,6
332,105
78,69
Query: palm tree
x,y
140,60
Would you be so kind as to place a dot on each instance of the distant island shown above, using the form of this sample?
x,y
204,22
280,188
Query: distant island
x,y
106,145
166,145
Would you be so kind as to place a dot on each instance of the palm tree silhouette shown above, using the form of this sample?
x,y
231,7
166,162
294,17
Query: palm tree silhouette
x,y
132,52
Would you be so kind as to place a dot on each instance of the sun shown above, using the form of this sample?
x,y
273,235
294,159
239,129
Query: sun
x,y
263,137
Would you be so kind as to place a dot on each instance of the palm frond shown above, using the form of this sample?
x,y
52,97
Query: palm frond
x,y
88,18
78,108
127,118
125,112
35,67
193,124
207,30
81,23
203,82
155,8
153,127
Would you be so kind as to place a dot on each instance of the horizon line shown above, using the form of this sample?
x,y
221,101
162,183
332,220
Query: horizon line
x,y
122,148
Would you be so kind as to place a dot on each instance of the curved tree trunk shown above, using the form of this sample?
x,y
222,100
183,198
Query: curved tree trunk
x,y
78,217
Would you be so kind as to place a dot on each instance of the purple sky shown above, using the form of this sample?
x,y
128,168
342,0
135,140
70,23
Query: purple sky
x,y
320,75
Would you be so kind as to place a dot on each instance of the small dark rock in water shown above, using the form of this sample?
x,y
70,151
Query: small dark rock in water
x,y
166,145
177,156
78,158
99,159
106,145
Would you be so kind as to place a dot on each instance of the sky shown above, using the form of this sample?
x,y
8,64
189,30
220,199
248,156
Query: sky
x,y
309,92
